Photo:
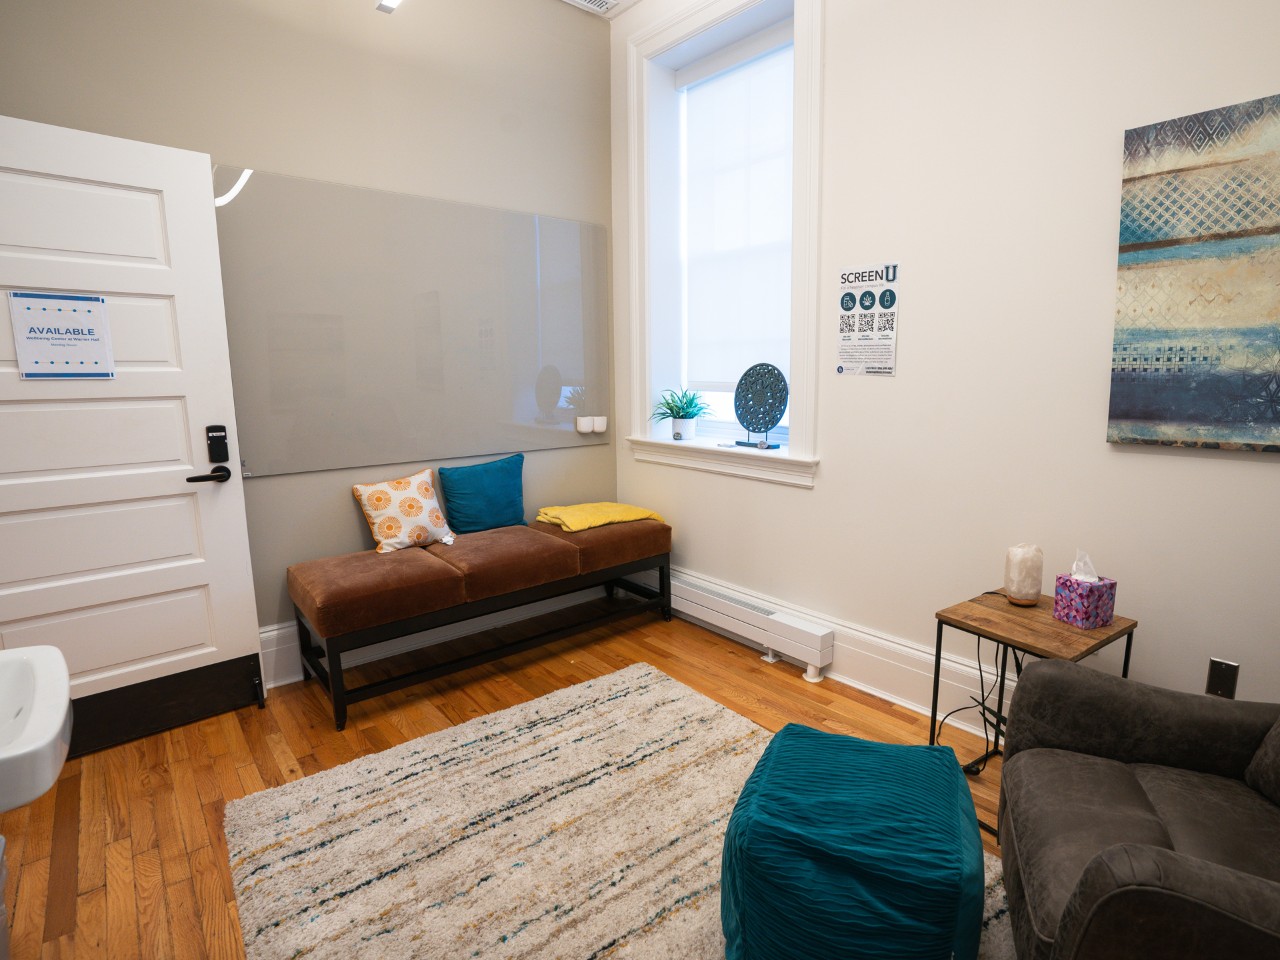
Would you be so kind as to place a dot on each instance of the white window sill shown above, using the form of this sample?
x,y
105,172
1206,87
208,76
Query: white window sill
x,y
708,454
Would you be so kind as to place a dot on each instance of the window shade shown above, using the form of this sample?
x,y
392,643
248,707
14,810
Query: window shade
x,y
737,193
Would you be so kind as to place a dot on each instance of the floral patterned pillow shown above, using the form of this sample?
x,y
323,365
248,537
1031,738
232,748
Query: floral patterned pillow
x,y
403,513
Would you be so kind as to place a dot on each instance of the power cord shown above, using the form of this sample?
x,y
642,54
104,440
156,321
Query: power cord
x,y
982,706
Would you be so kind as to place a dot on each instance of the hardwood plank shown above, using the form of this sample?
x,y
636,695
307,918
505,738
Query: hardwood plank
x,y
63,948
285,759
213,815
219,922
221,925
228,778
250,778
207,785
184,921
236,747
253,729
169,836
116,800
27,933
375,735
122,903
39,842
92,861
189,803
91,922
211,735
142,818
309,765
156,939
60,907
211,876
284,712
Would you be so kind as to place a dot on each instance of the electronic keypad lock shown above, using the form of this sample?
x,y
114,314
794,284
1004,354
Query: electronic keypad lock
x,y
215,436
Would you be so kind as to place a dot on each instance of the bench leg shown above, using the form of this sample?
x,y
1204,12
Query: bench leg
x,y
304,645
664,588
337,689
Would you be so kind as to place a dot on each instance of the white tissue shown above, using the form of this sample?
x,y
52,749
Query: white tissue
x,y
1082,569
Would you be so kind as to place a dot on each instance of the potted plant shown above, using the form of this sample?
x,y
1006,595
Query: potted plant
x,y
682,408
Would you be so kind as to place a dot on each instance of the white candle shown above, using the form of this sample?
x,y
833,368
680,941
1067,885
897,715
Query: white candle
x,y
1023,573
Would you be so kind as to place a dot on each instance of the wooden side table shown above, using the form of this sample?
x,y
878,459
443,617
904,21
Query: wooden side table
x,y
1030,630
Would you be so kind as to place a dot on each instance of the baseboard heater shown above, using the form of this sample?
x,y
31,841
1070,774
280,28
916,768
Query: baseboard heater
x,y
743,616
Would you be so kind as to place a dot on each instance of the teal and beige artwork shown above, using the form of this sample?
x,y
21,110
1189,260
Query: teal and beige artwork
x,y
1196,357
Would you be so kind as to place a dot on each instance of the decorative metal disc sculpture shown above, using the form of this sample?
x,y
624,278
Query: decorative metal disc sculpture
x,y
759,403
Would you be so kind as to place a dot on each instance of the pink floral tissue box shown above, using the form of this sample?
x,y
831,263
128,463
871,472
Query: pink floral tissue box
x,y
1082,603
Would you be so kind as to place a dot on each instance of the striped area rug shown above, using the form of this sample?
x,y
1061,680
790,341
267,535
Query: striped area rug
x,y
585,824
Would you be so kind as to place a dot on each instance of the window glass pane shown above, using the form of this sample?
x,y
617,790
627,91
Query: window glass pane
x,y
737,189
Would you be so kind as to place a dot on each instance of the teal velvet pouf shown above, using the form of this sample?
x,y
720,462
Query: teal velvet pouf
x,y
845,848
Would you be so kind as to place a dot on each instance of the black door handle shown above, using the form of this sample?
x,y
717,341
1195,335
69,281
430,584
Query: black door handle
x,y
218,474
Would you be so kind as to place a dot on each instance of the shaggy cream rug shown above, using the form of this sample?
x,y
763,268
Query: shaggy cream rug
x,y
585,824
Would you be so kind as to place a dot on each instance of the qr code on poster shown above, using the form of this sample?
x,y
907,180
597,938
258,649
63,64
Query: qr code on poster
x,y
846,324
886,322
866,323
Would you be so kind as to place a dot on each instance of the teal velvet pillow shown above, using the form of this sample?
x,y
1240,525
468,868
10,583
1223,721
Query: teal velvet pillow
x,y
484,496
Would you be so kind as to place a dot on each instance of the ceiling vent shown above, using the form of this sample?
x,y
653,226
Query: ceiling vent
x,y
595,6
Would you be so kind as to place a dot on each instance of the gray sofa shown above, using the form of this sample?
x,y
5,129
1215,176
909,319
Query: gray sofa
x,y
1139,822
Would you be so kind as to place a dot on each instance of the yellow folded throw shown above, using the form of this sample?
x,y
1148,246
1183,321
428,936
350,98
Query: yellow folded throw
x,y
583,516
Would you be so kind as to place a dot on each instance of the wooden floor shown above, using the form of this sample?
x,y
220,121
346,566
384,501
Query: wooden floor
x,y
125,857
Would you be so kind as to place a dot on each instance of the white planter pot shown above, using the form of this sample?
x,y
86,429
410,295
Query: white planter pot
x,y
600,424
584,424
683,429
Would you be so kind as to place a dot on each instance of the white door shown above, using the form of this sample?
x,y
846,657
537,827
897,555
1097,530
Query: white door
x,y
106,551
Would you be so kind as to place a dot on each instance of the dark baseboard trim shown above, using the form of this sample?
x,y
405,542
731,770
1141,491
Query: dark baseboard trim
x,y
117,716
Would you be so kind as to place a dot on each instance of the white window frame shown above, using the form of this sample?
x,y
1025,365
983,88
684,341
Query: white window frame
x,y
796,464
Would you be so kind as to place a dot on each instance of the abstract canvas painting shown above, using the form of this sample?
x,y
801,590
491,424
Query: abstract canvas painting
x,y
1196,356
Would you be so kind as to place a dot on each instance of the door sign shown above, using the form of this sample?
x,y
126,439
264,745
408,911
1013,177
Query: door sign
x,y
61,336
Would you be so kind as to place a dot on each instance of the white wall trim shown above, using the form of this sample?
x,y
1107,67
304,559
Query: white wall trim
x,y
640,50
736,461
282,664
883,665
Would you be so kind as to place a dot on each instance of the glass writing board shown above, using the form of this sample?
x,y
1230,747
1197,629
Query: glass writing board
x,y
370,327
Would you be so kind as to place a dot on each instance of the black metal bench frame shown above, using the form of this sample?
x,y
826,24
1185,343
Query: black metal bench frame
x,y
322,656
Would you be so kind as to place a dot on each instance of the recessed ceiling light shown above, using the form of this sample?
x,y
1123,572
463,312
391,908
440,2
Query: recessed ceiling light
x,y
386,6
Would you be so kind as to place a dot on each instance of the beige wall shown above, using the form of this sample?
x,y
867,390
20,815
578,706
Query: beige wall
x,y
496,102
979,144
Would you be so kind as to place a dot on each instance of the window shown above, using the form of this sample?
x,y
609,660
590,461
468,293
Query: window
x,y
723,110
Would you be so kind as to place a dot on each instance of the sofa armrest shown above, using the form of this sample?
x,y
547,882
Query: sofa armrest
x,y
1135,900
1071,707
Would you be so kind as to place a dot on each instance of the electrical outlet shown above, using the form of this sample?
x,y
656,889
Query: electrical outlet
x,y
1222,678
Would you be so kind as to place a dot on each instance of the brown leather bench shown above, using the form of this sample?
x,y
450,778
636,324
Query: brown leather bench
x,y
347,602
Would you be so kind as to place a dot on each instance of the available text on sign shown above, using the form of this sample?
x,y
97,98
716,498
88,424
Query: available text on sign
x,y
61,336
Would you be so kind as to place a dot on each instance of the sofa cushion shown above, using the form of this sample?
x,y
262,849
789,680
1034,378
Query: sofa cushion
x,y
357,590
507,559
1263,772
1092,804
612,544
484,495
1213,818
